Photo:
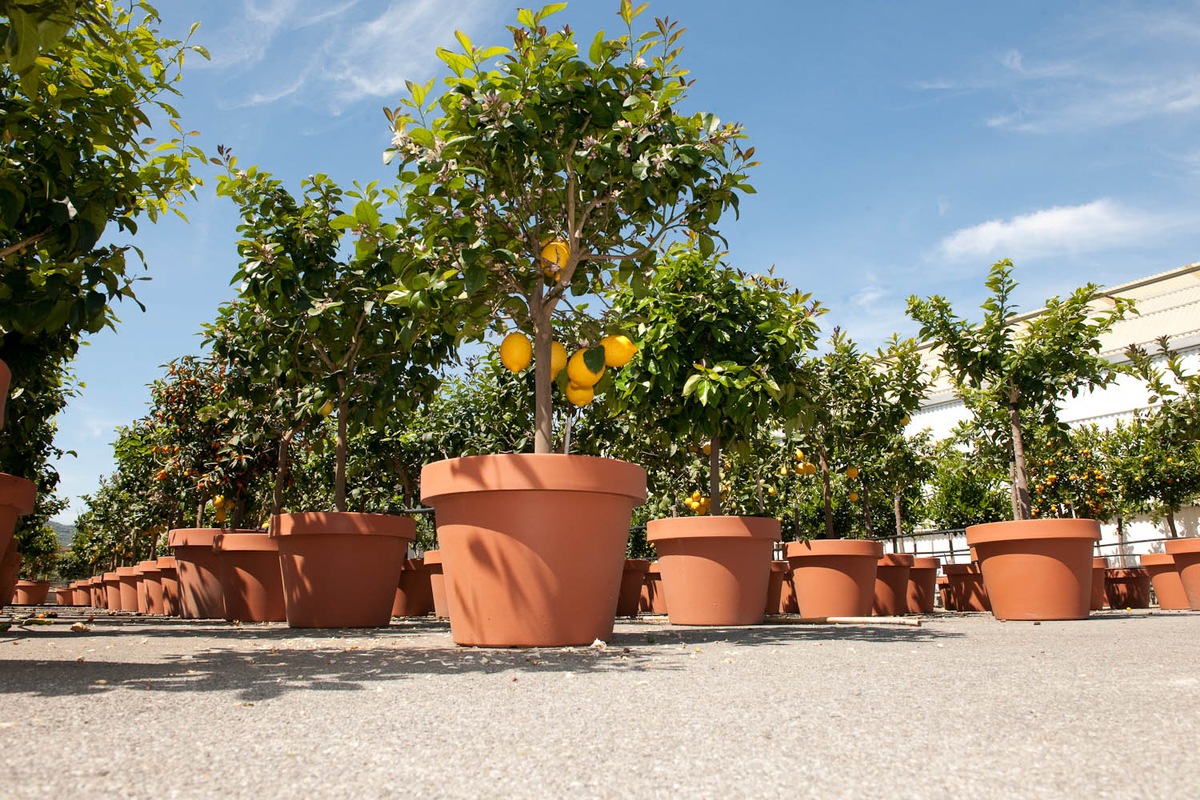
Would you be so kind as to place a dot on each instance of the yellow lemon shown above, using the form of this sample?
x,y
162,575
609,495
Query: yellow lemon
x,y
516,352
771,490
799,455
327,408
218,501
558,359
852,472
905,419
810,468
854,497
618,350
580,395
707,449
579,372
555,253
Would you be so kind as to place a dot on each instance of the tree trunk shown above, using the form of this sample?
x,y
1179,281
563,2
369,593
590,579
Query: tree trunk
x,y
714,476
339,469
239,512
826,492
866,501
281,470
1021,502
543,407
200,513
896,509
1171,524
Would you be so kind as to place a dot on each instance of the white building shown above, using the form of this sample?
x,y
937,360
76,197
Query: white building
x,y
1167,304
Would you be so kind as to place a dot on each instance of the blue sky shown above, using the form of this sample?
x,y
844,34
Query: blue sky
x,y
905,147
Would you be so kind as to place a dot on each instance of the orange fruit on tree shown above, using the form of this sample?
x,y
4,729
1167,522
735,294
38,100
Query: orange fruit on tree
x,y
580,373
579,395
852,472
619,350
516,352
558,359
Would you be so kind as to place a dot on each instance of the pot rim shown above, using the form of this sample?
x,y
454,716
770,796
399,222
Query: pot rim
x,y
342,523
501,472
1018,530
127,572
433,558
896,560
244,542
149,566
926,562
1126,572
166,562
707,527
20,493
1099,562
1180,546
1157,560
961,569
821,548
196,537
637,564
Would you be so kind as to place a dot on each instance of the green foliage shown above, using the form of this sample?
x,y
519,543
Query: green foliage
x,y
1153,472
1008,367
589,148
965,489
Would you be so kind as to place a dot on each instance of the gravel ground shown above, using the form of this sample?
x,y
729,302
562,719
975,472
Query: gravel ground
x,y
963,704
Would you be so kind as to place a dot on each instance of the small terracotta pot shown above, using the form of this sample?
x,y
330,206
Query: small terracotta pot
x,y
31,593
533,545
83,593
1127,588
965,589
891,585
201,595
96,590
414,593
251,580
112,592
632,579
715,570
1165,579
1098,599
653,599
834,577
128,581
437,583
922,585
1037,569
943,587
150,588
780,592
341,570
64,596
1186,553
169,573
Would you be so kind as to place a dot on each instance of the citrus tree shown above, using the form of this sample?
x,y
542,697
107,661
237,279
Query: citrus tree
x,y
1008,366
536,183
720,353
856,403
313,314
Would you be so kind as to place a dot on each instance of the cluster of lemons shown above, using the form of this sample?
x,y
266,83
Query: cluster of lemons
x,y
516,352
221,507
698,503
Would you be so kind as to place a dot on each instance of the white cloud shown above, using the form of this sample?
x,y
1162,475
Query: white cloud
x,y
1100,225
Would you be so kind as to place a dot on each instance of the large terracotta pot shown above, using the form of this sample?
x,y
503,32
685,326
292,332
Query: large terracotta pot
x,y
127,578
533,545
781,595
112,591
1037,569
1168,588
17,496
437,583
10,571
31,593
83,593
653,599
715,570
64,596
922,585
169,572
1186,553
414,593
96,590
150,588
1098,598
891,585
1127,588
201,595
341,570
834,577
251,580
632,578
964,588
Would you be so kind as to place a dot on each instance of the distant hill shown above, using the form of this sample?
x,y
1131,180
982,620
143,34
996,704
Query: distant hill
x,y
65,533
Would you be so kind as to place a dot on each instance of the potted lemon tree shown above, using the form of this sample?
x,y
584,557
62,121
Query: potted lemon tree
x,y
1008,370
542,173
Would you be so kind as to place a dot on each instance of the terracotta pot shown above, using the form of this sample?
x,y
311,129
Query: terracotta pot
x,y
533,545
891,585
1127,588
251,579
414,593
630,597
715,570
1168,588
437,584
31,593
1037,569
341,570
922,585
64,596
169,573
943,587
834,577
964,588
112,592
128,578
1186,553
781,595
653,599
1098,599
16,500
96,590
83,593
199,570
150,588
